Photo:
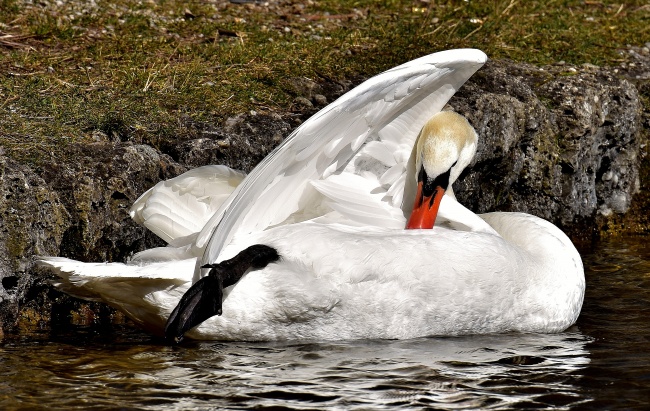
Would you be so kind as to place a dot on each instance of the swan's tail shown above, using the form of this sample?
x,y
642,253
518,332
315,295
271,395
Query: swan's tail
x,y
151,285
145,293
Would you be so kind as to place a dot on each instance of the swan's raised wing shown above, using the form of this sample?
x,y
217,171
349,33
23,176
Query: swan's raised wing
x,y
383,115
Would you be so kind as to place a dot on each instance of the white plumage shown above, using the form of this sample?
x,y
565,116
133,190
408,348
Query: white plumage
x,y
330,200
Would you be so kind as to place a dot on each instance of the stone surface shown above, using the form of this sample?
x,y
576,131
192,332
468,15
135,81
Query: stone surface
x,y
241,143
97,183
75,207
32,222
561,144
565,143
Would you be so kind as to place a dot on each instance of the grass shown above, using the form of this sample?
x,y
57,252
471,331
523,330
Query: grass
x,y
130,70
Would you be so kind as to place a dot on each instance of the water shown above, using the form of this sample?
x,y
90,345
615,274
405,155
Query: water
x,y
601,363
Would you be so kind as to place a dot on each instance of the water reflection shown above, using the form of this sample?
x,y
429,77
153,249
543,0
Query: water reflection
x,y
602,363
498,371
616,314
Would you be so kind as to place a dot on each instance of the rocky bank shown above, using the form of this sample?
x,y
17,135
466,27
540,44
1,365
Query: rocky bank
x,y
565,143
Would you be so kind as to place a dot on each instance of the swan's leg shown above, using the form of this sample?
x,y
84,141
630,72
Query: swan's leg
x,y
203,300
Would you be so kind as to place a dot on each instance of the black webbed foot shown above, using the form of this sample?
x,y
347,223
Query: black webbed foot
x,y
204,298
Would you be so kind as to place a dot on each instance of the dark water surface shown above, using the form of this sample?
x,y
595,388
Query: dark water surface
x,y
601,363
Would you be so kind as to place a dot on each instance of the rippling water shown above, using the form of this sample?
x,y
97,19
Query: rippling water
x,y
602,363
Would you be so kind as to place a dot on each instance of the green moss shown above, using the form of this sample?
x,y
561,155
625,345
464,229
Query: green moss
x,y
132,69
9,7
15,246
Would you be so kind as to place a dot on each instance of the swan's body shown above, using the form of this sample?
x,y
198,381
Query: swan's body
x,y
333,204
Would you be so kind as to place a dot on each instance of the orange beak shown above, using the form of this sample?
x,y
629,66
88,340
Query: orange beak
x,y
425,208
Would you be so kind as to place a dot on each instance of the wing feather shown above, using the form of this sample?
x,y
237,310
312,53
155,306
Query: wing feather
x,y
356,198
181,206
391,107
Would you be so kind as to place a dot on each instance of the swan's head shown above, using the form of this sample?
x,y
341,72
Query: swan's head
x,y
443,149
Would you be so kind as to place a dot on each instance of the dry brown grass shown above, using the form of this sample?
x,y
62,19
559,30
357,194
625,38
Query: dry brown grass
x,y
78,71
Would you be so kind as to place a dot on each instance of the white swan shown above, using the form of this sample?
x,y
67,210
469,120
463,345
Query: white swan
x,y
332,201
